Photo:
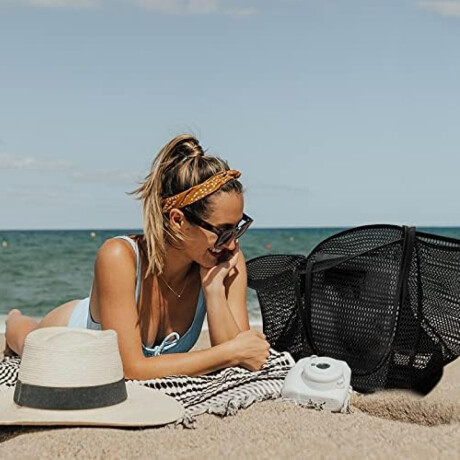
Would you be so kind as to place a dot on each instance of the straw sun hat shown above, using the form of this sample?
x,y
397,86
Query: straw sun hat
x,y
74,376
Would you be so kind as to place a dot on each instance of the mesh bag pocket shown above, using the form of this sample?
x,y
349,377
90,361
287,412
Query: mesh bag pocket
x,y
439,285
352,308
275,278
352,297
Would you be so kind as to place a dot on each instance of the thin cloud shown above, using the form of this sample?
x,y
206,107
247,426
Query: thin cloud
x,y
54,3
17,162
107,177
279,188
43,194
177,7
9,162
242,12
180,6
448,8
37,196
192,7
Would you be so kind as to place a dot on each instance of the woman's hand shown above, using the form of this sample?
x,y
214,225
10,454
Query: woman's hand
x,y
251,349
212,279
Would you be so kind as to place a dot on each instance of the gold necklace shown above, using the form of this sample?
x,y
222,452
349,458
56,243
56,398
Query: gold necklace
x,y
172,290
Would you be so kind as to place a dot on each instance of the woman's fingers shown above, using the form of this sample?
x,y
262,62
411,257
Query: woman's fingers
x,y
233,260
217,274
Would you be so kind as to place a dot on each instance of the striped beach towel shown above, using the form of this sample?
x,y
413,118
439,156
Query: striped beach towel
x,y
222,393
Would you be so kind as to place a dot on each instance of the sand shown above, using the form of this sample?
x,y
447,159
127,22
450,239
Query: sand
x,y
391,424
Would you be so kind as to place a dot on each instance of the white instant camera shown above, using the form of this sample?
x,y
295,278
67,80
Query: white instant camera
x,y
319,382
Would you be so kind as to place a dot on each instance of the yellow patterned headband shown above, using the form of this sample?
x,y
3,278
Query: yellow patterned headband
x,y
199,191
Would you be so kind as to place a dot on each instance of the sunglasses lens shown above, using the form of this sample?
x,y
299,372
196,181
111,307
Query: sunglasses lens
x,y
234,233
242,230
224,238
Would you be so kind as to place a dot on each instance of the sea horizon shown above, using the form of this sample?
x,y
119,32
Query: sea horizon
x,y
43,268
252,229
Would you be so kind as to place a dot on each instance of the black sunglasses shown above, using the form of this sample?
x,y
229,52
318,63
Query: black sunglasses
x,y
223,235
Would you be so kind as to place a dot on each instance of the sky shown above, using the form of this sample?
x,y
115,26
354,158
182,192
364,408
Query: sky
x,y
337,112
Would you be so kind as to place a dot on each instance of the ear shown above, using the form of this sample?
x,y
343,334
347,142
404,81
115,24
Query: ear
x,y
177,219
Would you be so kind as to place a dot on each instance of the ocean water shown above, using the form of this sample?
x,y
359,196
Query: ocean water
x,y
40,270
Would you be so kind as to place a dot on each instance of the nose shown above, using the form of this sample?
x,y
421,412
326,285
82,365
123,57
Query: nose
x,y
231,245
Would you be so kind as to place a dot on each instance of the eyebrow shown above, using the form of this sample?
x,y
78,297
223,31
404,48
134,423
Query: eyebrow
x,y
225,226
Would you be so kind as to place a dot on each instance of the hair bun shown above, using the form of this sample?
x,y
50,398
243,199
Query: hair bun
x,y
197,154
197,150
189,148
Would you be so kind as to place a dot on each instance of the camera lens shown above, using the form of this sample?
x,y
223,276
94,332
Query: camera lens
x,y
323,365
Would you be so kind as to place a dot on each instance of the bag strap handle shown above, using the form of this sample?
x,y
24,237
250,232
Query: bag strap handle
x,y
303,293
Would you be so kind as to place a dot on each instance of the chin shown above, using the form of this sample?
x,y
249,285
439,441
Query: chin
x,y
207,262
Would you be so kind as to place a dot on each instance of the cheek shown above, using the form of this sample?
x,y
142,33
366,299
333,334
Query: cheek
x,y
197,249
199,242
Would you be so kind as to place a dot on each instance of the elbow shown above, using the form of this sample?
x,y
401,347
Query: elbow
x,y
131,375
134,370
141,369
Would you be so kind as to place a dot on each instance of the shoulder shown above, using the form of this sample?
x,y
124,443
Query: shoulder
x,y
115,253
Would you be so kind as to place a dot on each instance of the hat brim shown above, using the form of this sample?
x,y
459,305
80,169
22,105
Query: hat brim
x,y
144,407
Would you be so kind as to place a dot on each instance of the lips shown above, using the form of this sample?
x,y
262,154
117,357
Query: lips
x,y
215,252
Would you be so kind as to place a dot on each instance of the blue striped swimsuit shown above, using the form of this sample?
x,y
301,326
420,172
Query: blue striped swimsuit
x,y
172,343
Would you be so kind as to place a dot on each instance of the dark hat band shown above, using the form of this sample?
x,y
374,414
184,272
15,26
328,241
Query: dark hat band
x,y
70,398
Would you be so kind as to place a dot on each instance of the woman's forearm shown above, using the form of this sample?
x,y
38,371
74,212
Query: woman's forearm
x,y
190,363
221,322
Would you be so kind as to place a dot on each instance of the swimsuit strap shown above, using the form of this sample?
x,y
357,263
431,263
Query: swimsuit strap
x,y
171,340
138,263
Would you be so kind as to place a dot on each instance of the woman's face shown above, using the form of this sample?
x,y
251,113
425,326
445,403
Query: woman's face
x,y
199,242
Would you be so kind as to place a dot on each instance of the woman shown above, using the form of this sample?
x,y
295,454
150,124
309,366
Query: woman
x,y
155,289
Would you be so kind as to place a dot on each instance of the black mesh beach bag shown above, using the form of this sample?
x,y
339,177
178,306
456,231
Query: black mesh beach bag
x,y
383,298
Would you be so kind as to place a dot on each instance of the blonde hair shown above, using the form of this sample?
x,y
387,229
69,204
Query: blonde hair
x,y
179,165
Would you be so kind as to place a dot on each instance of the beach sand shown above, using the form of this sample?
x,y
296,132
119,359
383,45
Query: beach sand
x,y
392,424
